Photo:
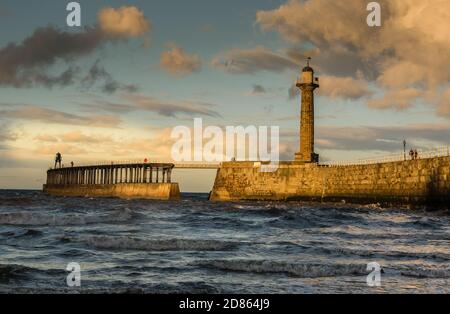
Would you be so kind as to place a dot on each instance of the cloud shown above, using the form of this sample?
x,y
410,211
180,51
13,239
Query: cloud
x,y
132,102
343,87
6,136
109,107
258,90
337,88
293,92
170,109
444,104
297,20
126,21
388,139
398,99
24,64
75,136
336,60
46,138
253,60
46,115
67,149
28,63
248,61
409,52
178,63
80,137
110,85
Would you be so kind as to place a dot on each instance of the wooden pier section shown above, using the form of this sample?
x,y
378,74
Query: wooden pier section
x,y
135,180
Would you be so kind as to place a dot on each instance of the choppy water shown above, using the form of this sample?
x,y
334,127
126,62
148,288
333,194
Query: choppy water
x,y
195,246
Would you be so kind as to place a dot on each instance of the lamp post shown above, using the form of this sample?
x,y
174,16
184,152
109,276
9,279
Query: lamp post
x,y
404,150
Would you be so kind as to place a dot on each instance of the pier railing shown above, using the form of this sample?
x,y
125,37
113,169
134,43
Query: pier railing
x,y
111,174
421,154
178,165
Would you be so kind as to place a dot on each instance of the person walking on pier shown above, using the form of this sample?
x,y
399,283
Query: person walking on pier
x,y
411,154
416,154
58,160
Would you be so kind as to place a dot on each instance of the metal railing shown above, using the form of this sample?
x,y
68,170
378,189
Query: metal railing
x,y
180,165
421,154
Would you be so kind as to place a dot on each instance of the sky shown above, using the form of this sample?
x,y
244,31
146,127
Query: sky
x,y
114,88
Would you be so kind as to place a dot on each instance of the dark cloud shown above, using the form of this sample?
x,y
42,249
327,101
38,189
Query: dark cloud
x,y
258,89
293,92
336,60
26,64
132,102
29,63
171,108
108,107
109,85
250,61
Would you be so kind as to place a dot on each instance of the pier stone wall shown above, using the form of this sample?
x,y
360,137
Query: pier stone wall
x,y
412,181
156,191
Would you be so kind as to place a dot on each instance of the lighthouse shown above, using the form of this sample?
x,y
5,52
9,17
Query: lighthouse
x,y
307,84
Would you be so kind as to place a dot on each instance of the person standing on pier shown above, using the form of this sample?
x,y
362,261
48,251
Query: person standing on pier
x,y
58,160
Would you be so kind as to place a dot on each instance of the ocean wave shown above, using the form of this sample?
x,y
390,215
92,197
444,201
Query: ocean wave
x,y
14,272
426,273
317,270
393,254
15,232
302,270
40,219
17,201
129,243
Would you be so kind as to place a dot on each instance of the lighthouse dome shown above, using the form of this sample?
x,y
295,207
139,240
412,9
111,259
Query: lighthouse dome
x,y
307,69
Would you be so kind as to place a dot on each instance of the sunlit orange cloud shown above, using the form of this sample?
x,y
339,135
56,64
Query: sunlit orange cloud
x,y
179,63
126,21
408,54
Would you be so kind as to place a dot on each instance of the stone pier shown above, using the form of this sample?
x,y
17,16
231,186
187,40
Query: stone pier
x,y
424,181
140,180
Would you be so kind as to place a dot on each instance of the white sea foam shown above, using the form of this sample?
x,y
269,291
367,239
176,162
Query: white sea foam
x,y
174,244
40,219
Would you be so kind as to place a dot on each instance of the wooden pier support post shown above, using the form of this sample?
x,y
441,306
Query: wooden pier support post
x,y
169,175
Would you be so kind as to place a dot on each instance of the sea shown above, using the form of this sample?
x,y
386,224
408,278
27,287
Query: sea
x,y
196,246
